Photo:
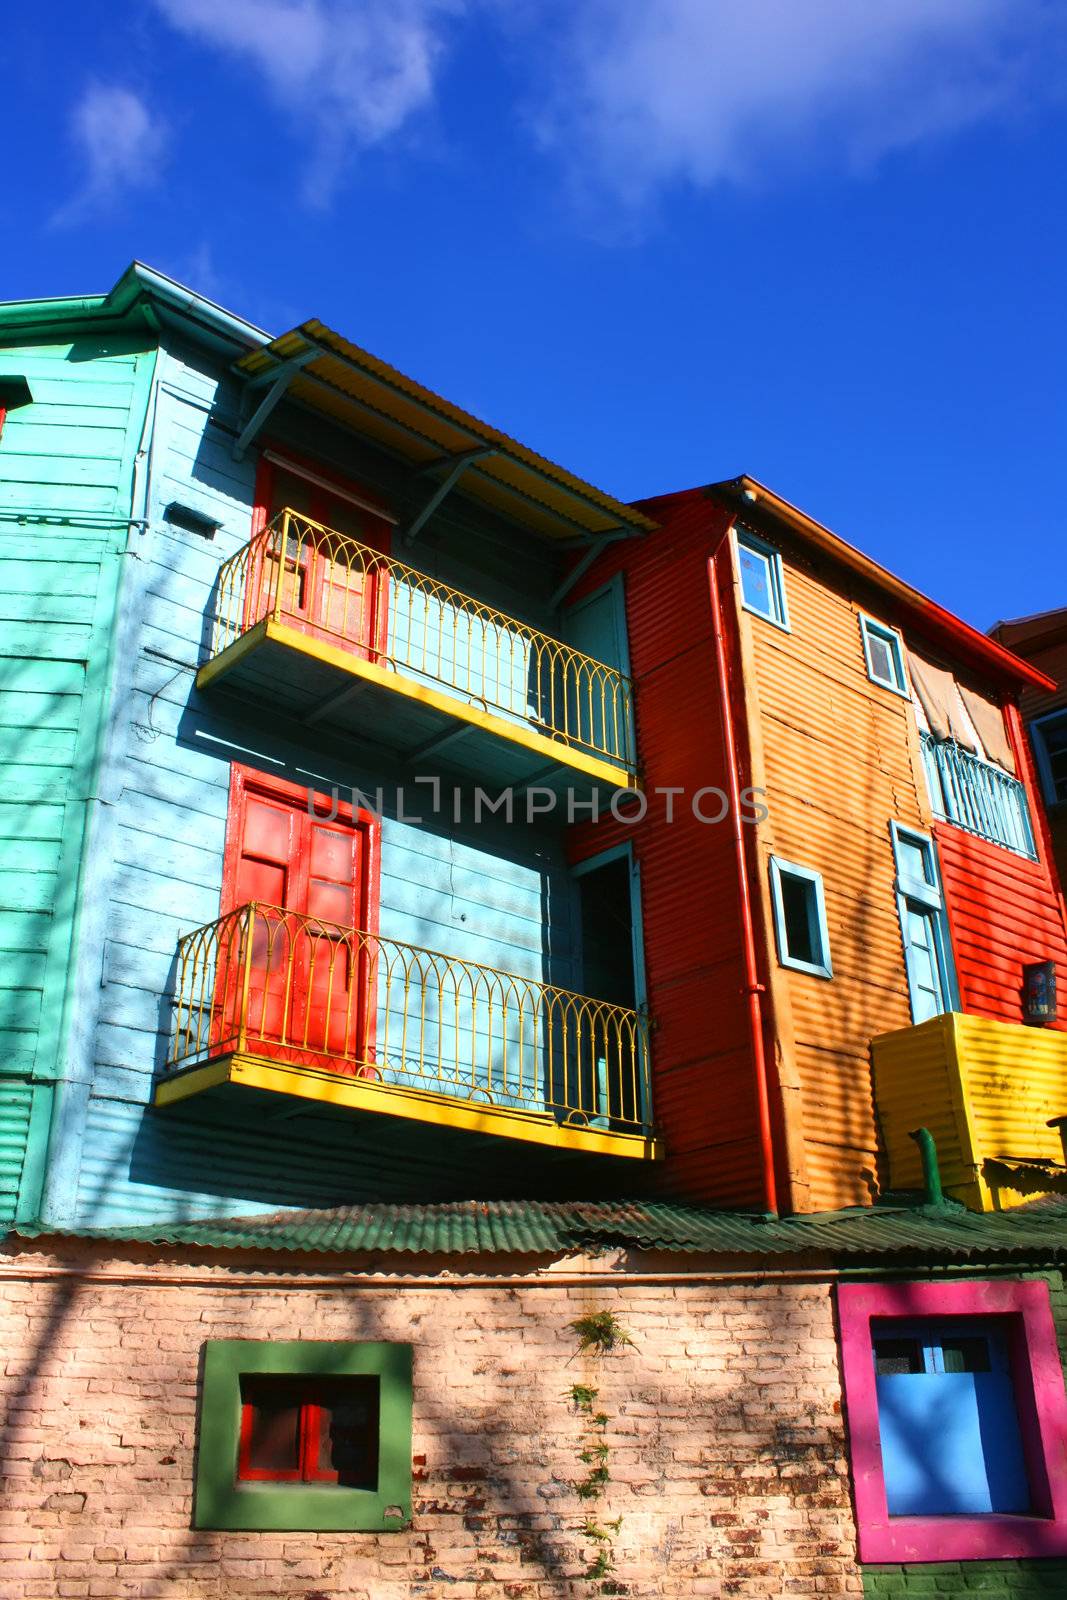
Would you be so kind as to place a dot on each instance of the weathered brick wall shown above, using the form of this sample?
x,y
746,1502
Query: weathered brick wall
x,y
727,1443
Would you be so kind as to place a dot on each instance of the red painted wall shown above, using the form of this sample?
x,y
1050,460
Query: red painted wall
x,y
703,1084
1003,909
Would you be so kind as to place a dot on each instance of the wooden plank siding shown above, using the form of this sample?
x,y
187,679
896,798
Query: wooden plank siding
x,y
492,894
839,762
66,478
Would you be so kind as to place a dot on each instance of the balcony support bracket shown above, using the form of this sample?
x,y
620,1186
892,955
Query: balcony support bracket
x,y
279,378
584,562
457,465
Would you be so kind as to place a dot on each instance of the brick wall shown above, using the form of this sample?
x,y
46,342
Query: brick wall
x,y
727,1449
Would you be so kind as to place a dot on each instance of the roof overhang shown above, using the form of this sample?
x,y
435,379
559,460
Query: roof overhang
x,y
1043,631
338,379
754,501
142,298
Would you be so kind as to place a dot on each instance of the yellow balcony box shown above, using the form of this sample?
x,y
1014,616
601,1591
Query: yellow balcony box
x,y
987,1091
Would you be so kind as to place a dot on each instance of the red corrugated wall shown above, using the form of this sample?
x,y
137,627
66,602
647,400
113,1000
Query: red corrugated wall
x,y
703,1083
1003,911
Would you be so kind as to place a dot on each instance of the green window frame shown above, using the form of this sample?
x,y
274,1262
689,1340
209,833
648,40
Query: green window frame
x,y
762,579
883,651
800,928
222,1501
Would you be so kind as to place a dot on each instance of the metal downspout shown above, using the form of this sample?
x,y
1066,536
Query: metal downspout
x,y
753,987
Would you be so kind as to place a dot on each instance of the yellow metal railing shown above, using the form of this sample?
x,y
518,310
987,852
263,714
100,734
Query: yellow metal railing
x,y
327,583
271,982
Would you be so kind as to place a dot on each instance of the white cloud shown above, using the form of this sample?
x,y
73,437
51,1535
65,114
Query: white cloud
x,y
352,71
121,143
652,92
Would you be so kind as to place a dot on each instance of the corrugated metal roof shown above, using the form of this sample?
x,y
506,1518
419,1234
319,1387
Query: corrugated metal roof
x,y
348,383
549,1228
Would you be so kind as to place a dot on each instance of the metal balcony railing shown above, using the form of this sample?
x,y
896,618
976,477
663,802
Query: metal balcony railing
x,y
270,982
328,584
976,795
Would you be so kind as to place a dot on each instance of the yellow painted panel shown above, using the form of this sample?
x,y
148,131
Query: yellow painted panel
x,y
1015,1079
985,1090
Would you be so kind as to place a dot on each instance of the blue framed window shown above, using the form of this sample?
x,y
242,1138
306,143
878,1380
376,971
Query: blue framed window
x,y
883,650
947,1419
923,925
762,582
1049,736
800,918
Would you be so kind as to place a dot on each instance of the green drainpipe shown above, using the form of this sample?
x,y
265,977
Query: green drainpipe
x,y
934,1194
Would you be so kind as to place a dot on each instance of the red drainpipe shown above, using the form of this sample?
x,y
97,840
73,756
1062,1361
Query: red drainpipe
x,y
753,987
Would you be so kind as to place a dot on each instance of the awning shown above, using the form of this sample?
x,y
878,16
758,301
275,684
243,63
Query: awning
x,y
329,374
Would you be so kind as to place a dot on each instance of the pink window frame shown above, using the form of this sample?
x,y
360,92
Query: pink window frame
x,y
1042,1406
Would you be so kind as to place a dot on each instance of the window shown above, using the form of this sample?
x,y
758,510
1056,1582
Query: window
x,y
1049,735
309,1430
883,649
311,1435
923,925
762,584
952,1382
955,1408
800,918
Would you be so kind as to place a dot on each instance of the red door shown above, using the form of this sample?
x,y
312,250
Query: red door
x,y
307,953
323,568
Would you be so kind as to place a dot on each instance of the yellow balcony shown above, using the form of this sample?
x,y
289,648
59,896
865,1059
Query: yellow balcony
x,y
987,1091
313,622
279,1003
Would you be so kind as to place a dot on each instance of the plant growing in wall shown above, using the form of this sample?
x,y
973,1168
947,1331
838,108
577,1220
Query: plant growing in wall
x,y
598,1334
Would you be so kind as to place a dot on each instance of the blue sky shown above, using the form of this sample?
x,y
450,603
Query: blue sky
x,y
663,241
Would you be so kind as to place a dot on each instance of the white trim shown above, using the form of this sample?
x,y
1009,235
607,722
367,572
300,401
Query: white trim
x,y
869,625
745,536
780,868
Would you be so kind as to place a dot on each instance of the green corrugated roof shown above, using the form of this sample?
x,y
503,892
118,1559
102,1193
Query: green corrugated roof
x,y
548,1228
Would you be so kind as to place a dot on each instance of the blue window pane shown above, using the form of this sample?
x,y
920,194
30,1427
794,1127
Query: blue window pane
x,y
757,585
951,1443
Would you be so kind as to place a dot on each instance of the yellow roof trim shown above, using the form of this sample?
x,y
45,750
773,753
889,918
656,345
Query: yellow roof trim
x,y
348,383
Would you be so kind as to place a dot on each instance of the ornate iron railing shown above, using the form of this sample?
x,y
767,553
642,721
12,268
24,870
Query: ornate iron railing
x,y
976,795
327,583
275,983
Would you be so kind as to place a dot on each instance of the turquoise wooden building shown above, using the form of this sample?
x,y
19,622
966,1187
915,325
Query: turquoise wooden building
x,y
245,578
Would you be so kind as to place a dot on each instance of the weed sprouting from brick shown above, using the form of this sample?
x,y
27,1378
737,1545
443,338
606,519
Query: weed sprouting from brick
x,y
599,1333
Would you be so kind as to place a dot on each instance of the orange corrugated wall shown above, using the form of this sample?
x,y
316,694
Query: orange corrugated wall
x,y
703,1083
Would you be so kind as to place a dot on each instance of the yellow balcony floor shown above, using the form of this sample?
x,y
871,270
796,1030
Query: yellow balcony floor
x,y
326,685
241,1077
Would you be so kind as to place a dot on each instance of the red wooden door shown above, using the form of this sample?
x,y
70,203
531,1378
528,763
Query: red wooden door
x,y
307,960
329,582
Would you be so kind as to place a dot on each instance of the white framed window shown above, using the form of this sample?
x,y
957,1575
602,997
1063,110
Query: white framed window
x,y
883,650
1049,736
800,918
762,581
923,925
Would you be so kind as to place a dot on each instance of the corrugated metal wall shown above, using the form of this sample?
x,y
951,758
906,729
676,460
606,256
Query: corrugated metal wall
x,y
703,1084
1004,910
839,765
